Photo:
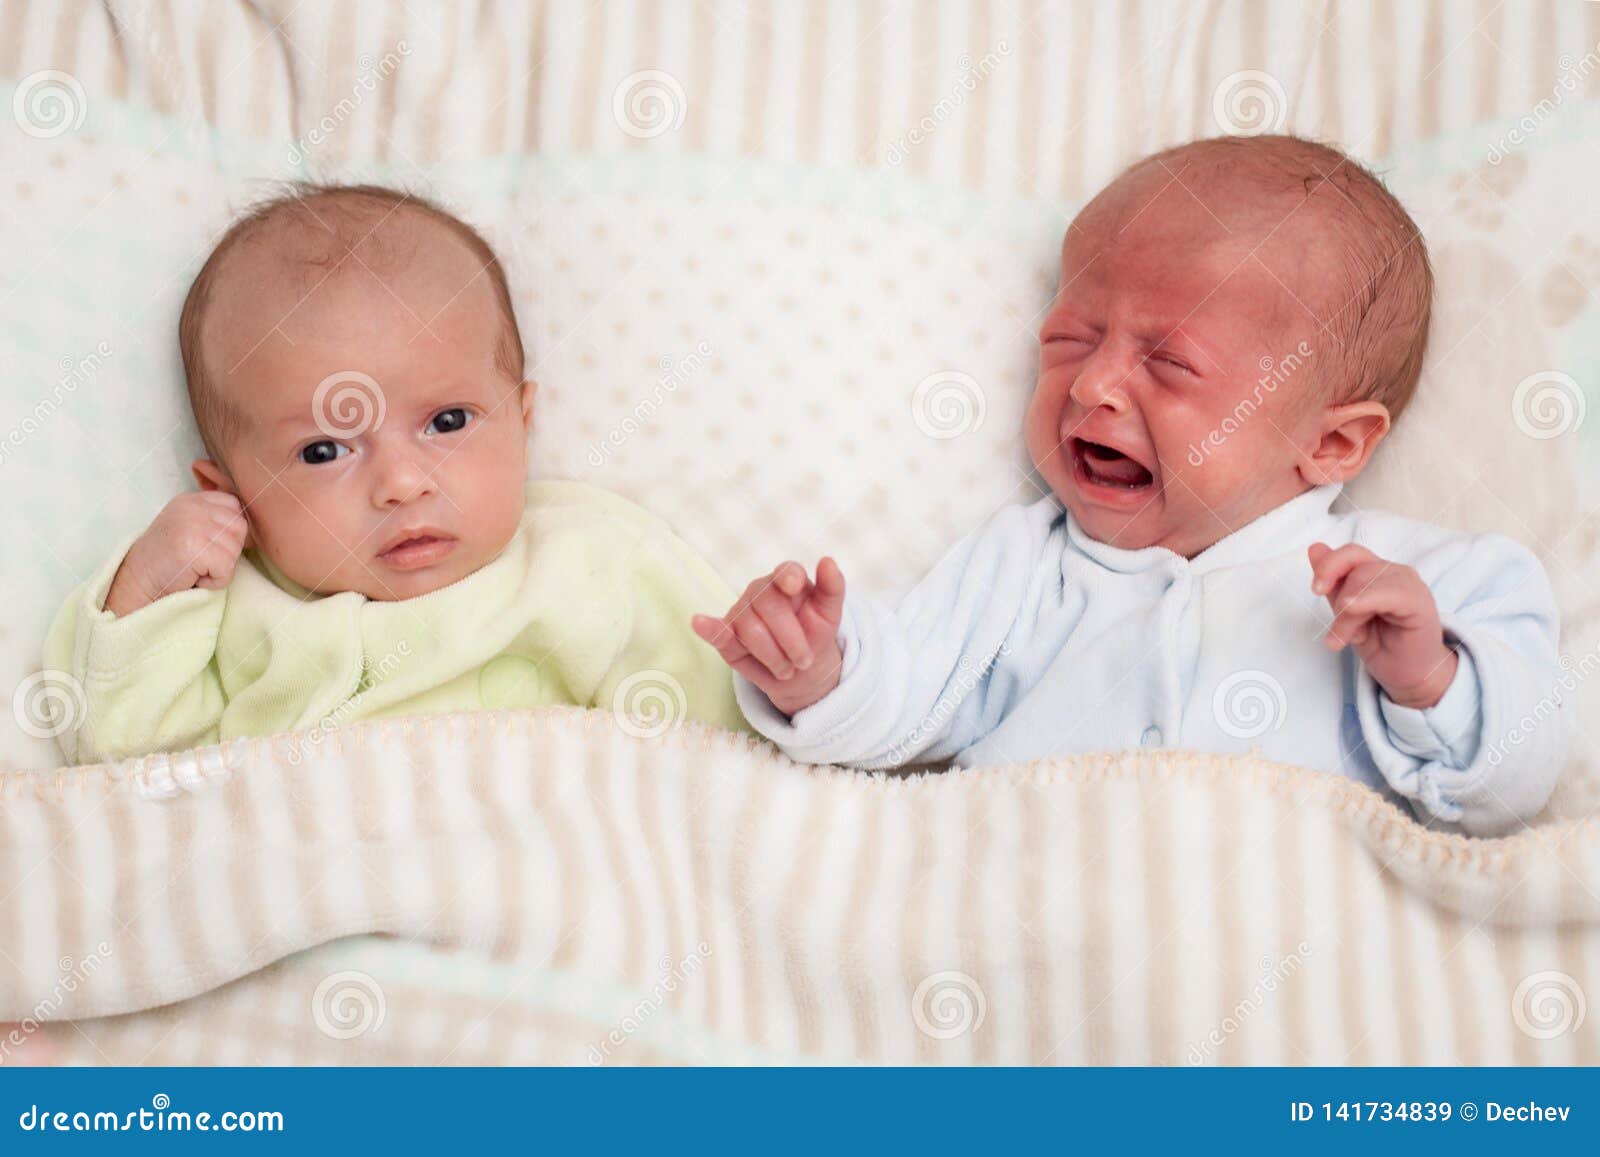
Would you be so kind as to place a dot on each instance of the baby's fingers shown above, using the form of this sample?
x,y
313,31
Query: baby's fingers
x,y
1329,567
827,596
236,528
758,640
1348,629
777,613
217,569
717,632
790,578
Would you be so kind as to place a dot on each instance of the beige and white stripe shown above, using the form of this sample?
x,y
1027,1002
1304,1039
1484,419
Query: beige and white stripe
x,y
1064,91
542,879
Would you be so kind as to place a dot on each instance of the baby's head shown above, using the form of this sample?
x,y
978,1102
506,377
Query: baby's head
x,y
356,372
1238,320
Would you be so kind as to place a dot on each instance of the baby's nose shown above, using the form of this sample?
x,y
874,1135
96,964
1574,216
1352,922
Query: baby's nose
x,y
402,480
1099,386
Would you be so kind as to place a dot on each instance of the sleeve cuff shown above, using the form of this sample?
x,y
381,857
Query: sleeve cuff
x,y
115,645
807,734
1447,730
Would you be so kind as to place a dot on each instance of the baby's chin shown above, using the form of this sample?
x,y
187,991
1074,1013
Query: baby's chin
x,y
1125,531
1131,525
387,584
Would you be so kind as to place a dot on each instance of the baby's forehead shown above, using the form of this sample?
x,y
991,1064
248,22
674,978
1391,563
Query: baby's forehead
x,y
1180,227
379,278
1201,206
301,251
392,295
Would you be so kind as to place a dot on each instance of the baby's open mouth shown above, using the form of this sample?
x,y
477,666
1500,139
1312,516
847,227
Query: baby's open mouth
x,y
1104,466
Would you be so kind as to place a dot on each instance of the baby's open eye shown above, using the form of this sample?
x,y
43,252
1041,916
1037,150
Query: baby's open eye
x,y
449,421
325,451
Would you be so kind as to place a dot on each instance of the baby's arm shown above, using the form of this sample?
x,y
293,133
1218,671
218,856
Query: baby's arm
x,y
1466,737
195,541
893,685
139,638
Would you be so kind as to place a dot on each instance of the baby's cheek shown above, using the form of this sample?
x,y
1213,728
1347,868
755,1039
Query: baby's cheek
x,y
1207,467
316,555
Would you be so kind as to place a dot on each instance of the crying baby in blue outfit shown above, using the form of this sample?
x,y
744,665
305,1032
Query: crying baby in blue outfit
x,y
1193,579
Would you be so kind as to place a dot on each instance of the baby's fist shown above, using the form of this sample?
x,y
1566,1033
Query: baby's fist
x,y
195,541
1386,612
782,634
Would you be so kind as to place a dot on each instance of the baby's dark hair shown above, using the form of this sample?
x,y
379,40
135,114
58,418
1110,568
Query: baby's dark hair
x,y
347,215
1386,302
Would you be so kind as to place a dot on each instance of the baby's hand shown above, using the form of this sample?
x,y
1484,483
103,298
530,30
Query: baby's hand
x,y
1388,614
783,634
195,541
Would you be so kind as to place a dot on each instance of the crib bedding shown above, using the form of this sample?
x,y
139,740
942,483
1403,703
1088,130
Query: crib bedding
x,y
668,184
549,886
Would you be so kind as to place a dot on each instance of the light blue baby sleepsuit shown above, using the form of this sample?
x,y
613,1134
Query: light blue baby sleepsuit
x,y
1029,639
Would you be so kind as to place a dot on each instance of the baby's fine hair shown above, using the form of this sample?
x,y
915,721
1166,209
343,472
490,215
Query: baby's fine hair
x,y
1378,335
336,218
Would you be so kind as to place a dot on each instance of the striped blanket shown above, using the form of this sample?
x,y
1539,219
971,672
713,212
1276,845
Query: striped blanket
x,y
551,886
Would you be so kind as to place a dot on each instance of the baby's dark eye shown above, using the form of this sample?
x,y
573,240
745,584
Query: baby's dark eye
x,y
449,421
1173,362
325,451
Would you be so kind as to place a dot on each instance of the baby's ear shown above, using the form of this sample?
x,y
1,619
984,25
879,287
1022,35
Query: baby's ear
x,y
528,389
1349,435
209,476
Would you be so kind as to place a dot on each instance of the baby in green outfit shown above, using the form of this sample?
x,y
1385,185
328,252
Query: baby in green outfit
x,y
364,541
